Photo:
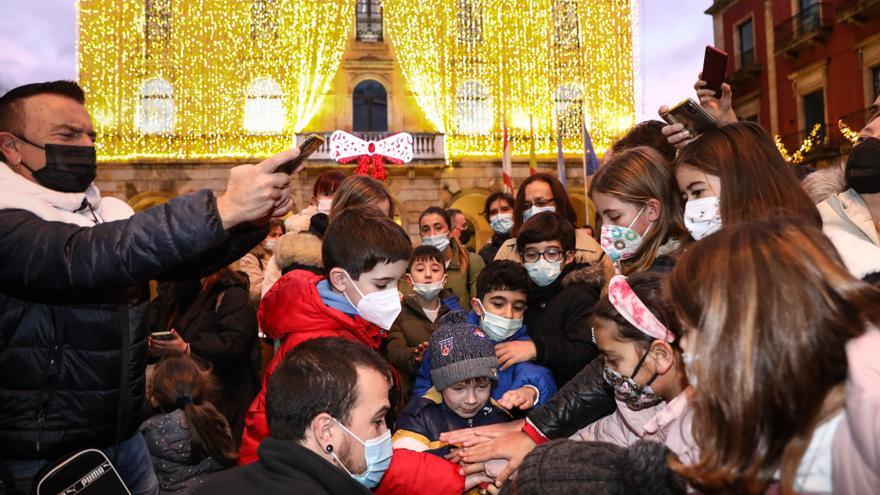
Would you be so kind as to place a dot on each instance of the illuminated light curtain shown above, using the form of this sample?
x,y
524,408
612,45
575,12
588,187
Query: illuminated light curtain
x,y
522,52
569,101
210,51
155,113
473,109
263,110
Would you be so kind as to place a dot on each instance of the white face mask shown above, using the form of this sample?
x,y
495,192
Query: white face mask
x,y
702,216
380,308
542,272
501,223
498,328
534,210
270,245
428,291
439,241
324,205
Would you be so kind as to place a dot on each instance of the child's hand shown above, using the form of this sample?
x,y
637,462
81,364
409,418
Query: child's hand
x,y
517,351
522,398
419,352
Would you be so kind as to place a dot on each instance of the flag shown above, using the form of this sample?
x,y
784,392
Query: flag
x,y
560,156
591,161
506,166
533,160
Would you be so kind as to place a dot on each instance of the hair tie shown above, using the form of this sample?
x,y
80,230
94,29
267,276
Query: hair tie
x,y
182,401
628,304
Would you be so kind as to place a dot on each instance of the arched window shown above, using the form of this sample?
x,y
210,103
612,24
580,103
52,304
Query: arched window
x,y
370,107
569,109
264,108
155,111
473,108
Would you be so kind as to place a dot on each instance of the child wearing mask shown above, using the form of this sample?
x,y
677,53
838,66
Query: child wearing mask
x,y
562,294
356,298
645,367
502,288
462,371
430,300
462,266
189,439
498,211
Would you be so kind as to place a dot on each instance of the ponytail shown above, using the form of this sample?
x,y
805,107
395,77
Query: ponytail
x,y
210,434
180,383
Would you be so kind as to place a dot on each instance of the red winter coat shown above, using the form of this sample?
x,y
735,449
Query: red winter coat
x,y
293,312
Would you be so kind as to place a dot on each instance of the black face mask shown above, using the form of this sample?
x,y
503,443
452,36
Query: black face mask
x,y
68,168
466,235
863,167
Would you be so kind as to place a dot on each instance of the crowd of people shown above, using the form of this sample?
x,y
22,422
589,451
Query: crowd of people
x,y
716,333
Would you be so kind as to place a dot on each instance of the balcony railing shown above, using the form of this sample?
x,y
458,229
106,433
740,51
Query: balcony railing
x,y
857,11
810,25
426,146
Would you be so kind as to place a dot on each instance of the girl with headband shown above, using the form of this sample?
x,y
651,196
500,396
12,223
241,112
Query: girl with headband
x,y
633,327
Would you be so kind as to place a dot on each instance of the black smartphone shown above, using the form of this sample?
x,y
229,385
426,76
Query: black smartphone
x,y
691,115
306,148
162,336
714,69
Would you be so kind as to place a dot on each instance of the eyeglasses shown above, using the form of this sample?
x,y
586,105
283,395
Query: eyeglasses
x,y
540,203
551,255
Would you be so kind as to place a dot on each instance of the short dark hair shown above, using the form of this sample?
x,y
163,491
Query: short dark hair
x,y
11,111
495,196
545,227
327,183
452,212
502,275
426,253
648,133
317,376
361,237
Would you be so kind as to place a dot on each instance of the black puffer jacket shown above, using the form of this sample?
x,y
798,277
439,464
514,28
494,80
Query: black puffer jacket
x,y
583,400
72,299
557,320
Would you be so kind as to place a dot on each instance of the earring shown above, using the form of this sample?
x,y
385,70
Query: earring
x,y
329,449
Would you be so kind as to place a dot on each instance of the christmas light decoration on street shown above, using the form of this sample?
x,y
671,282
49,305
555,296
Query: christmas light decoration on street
x,y
206,79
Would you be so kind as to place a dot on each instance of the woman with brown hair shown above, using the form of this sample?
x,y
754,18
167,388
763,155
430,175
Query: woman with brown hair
x,y
641,215
211,319
189,439
735,173
781,346
543,192
462,266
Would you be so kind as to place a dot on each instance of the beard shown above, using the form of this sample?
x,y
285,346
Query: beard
x,y
353,457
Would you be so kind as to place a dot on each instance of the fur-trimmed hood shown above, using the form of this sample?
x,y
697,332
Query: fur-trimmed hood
x,y
593,275
301,248
823,184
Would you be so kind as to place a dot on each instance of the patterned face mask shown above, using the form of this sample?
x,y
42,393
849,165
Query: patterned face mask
x,y
626,390
619,242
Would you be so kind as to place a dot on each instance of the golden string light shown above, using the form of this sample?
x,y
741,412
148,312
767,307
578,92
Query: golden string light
x,y
847,132
210,53
476,65
813,139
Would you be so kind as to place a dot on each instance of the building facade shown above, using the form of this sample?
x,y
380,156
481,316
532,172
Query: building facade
x,y
182,90
799,66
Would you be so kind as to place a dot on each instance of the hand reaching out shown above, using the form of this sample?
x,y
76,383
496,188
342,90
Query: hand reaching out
x,y
517,351
523,398
419,352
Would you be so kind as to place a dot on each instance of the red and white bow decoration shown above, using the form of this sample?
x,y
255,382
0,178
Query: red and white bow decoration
x,y
371,155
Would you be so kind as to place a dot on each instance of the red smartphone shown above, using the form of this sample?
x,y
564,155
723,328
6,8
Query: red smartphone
x,y
306,148
714,69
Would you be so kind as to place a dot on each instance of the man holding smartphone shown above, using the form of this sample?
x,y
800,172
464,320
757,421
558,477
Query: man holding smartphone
x,y
73,282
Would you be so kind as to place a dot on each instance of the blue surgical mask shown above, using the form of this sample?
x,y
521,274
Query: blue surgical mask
x,y
428,291
501,223
534,210
542,272
439,241
377,453
498,328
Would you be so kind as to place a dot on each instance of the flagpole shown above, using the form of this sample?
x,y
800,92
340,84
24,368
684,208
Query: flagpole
x,y
533,160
